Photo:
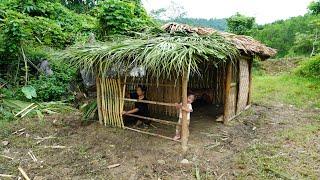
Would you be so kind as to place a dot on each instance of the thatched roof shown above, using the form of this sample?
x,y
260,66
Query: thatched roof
x,y
246,44
163,55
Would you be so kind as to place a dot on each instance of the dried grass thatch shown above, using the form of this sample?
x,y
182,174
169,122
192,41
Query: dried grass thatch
x,y
246,44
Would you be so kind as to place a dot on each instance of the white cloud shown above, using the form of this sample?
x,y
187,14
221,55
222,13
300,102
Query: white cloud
x,y
265,11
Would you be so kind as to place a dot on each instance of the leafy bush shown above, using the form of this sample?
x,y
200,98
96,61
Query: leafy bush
x,y
310,68
54,87
33,25
121,17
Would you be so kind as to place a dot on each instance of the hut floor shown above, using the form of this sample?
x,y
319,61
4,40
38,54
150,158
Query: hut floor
x,y
203,115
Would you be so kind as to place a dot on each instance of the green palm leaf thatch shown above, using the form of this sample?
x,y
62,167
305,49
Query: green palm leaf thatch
x,y
162,56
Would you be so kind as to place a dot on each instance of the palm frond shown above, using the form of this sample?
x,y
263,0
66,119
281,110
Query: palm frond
x,y
162,56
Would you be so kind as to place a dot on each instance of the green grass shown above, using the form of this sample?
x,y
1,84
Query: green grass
x,y
286,88
291,154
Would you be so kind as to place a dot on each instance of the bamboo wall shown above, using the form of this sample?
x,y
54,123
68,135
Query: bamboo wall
x,y
110,92
244,81
239,93
109,101
167,91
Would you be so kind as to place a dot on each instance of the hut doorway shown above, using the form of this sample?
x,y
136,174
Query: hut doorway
x,y
209,88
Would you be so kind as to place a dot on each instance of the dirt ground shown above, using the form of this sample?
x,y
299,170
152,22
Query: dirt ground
x,y
84,151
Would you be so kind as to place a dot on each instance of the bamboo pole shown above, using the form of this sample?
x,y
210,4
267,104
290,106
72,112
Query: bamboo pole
x,y
155,120
113,101
152,134
121,100
98,87
103,100
150,102
110,100
227,93
184,123
24,174
152,84
118,102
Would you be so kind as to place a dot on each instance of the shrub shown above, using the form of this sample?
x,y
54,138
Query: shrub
x,y
310,68
54,87
121,17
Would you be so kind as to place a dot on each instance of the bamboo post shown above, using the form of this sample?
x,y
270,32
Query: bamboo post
x,y
227,93
98,87
122,97
184,122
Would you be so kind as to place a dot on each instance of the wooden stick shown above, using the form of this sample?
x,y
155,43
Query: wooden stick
x,y
155,120
227,93
110,102
103,101
113,166
24,109
7,176
33,157
6,157
151,84
22,115
121,100
152,134
55,147
99,99
24,174
233,117
150,102
118,102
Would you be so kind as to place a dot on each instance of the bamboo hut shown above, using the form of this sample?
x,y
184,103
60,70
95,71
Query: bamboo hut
x,y
180,58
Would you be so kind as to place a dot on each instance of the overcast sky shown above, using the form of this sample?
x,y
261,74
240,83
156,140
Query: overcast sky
x,y
265,11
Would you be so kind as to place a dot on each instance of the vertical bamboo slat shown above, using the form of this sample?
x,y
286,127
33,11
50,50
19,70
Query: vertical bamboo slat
x,y
98,87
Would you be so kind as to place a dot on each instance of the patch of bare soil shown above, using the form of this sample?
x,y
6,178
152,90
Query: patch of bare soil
x,y
65,148
278,66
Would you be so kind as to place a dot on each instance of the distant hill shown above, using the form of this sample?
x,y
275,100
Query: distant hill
x,y
219,24
282,35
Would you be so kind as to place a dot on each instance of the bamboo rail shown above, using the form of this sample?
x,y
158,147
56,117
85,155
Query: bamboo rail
x,y
150,102
154,119
152,134
152,84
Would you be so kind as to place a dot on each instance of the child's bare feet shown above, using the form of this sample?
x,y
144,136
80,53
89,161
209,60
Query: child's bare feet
x,y
176,137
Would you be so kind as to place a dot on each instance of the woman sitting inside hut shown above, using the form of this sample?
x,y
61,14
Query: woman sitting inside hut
x,y
140,108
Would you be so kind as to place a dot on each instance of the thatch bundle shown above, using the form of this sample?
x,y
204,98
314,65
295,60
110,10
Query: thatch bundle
x,y
164,55
247,44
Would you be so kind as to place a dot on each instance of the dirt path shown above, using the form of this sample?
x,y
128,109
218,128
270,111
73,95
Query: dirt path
x,y
216,151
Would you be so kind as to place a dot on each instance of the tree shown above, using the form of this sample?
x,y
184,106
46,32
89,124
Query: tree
x,y
314,7
294,36
240,24
122,17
